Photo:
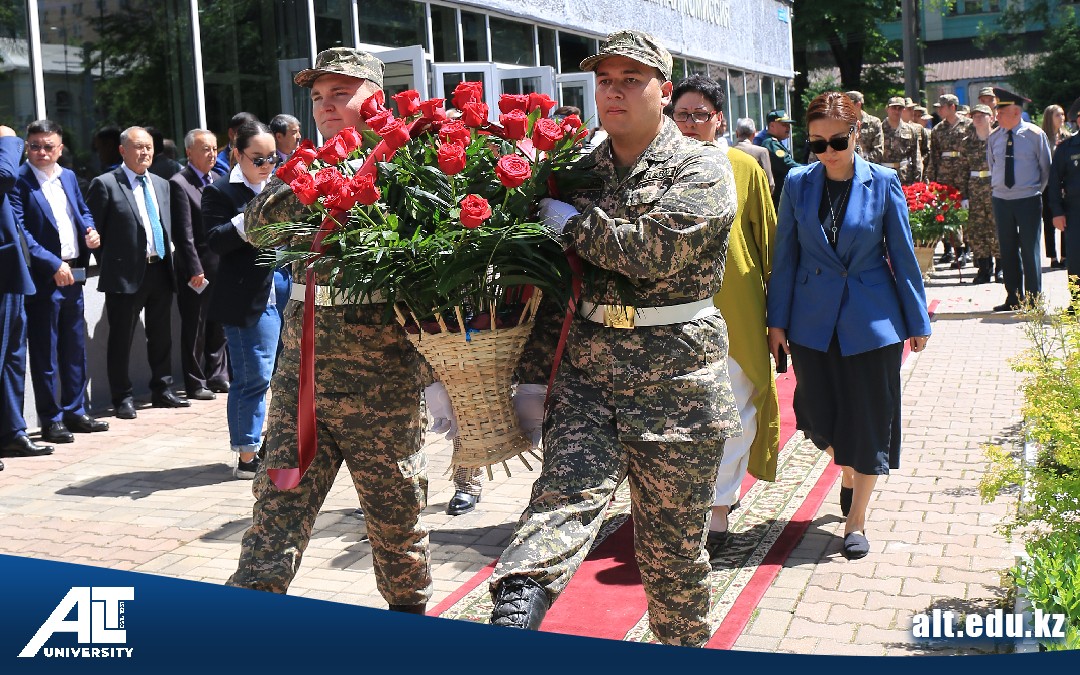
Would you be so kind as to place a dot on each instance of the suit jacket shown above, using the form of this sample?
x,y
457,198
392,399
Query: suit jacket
x,y
869,290
242,289
39,221
192,255
762,156
14,273
122,255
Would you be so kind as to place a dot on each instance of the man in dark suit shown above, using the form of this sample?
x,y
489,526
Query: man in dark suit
x,y
131,209
202,342
223,165
15,282
49,203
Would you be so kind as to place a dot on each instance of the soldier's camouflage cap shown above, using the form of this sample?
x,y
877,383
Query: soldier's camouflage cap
x,y
981,108
921,112
987,91
633,44
946,99
343,61
855,96
908,103
897,100
963,109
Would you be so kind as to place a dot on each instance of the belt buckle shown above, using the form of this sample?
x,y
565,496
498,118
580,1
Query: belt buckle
x,y
618,316
324,296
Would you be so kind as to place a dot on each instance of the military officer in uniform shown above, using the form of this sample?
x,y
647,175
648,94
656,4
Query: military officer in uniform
x,y
1063,194
980,232
947,137
989,99
642,391
871,145
901,144
920,118
777,130
367,395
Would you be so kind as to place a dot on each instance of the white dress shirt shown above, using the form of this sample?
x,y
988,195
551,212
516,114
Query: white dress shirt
x,y
64,216
140,203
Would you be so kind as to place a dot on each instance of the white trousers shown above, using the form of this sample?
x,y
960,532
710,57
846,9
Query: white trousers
x,y
737,449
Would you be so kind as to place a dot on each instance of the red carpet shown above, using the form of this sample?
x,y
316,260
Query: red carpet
x,y
605,598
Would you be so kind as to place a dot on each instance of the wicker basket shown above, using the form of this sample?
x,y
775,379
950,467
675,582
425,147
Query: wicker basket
x,y
477,371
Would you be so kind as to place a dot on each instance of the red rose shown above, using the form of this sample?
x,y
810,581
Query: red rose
x,y
306,151
408,102
513,170
372,106
328,180
940,218
475,114
433,109
351,138
515,123
571,123
395,134
474,211
292,169
508,102
379,121
363,187
451,158
333,151
455,132
304,188
542,101
342,200
546,133
467,92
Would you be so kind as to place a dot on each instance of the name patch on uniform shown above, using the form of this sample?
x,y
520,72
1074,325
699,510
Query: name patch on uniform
x,y
657,174
780,153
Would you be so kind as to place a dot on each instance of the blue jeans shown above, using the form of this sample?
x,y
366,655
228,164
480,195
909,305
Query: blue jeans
x,y
252,354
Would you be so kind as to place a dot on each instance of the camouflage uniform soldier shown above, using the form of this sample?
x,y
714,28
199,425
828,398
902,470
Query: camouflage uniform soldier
x,y
901,144
871,145
919,119
367,396
980,231
650,402
947,138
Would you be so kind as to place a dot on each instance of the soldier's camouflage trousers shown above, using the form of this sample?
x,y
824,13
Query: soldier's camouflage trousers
x,y
671,486
980,230
367,398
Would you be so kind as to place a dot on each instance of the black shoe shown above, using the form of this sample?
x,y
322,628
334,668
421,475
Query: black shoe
x,y
246,470
219,387
461,503
201,394
946,257
125,410
983,265
1057,264
420,609
1,466
856,546
22,446
84,424
716,543
56,432
520,602
358,512
1009,306
167,399
846,495
999,273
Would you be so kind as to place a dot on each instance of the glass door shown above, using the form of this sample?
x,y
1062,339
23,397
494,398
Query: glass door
x,y
406,68
446,76
579,90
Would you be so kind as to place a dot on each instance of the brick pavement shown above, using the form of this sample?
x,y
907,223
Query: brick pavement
x,y
155,495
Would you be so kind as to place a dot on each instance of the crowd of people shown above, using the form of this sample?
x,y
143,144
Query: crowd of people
x,y
749,257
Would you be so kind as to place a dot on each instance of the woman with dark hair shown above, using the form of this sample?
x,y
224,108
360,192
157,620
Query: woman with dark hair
x,y
248,295
845,293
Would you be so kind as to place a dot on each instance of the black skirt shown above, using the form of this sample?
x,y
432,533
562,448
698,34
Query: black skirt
x,y
851,403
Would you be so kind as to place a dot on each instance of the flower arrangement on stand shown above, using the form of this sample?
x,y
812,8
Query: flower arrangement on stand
x,y
935,211
436,217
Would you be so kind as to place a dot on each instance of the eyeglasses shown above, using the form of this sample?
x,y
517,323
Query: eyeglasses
x,y
259,161
697,117
818,147
36,147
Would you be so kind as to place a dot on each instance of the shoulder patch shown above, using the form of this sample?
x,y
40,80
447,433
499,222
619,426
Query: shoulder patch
x,y
780,153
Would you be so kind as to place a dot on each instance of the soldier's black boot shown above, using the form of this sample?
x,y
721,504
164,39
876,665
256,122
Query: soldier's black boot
x,y
520,602
946,257
410,609
983,265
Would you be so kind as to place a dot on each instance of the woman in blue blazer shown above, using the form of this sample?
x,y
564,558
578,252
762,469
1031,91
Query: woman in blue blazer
x,y
247,296
845,293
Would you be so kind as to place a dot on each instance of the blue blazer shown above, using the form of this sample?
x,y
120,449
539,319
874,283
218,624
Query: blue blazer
x,y
38,221
869,290
14,273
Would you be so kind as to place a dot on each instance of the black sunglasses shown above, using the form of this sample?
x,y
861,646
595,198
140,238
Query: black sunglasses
x,y
275,159
819,146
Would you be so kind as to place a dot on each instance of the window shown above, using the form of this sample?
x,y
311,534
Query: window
x,y
391,23
333,24
512,42
573,49
964,7
444,34
547,48
474,36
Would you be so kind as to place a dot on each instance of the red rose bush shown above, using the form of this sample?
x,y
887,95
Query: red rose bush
x,y
934,211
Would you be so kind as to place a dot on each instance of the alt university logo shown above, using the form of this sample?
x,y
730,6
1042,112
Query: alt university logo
x,y
95,614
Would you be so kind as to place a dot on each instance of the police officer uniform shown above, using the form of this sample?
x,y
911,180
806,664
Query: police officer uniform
x,y
780,158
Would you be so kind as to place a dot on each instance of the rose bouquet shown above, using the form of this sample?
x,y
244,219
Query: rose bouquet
x,y
935,210
433,213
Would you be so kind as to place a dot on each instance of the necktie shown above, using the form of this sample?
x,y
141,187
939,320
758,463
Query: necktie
x,y
152,214
1010,171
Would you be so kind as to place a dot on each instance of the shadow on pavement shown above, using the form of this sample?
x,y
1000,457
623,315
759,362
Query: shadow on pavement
x,y
142,484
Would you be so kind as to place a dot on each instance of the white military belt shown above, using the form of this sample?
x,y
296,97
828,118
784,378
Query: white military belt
x,y
895,165
950,153
624,316
980,174
331,296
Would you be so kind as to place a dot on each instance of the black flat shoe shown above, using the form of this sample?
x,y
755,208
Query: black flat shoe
x,y
56,432
855,546
1009,306
84,424
126,410
167,399
845,499
219,387
201,394
461,503
22,446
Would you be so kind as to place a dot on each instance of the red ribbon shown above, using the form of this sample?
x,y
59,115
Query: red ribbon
x,y
575,296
